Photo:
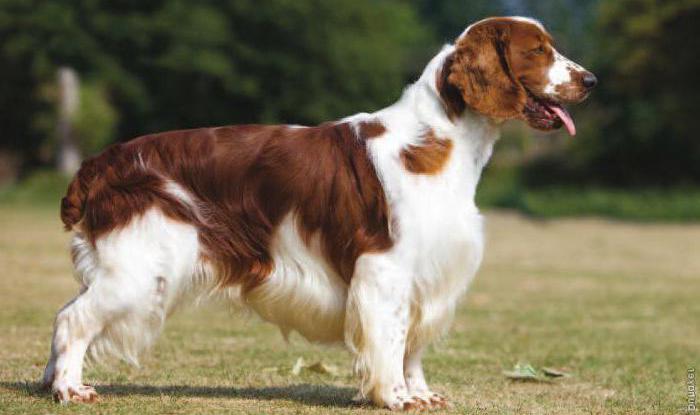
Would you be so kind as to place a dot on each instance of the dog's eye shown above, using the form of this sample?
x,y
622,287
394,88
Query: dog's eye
x,y
538,50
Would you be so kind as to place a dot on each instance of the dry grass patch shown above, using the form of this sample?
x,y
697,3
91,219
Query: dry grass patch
x,y
614,304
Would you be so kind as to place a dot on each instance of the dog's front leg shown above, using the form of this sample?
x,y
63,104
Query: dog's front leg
x,y
375,329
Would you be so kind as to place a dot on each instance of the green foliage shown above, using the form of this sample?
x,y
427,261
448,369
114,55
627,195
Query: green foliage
x,y
167,64
449,18
567,20
639,128
178,64
675,205
502,188
42,189
96,119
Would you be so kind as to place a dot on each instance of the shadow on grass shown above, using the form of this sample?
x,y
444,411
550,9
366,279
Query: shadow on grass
x,y
319,395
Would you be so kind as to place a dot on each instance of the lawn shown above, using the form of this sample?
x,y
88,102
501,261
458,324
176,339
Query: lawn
x,y
616,305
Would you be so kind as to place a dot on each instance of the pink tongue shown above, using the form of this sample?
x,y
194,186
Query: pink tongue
x,y
566,118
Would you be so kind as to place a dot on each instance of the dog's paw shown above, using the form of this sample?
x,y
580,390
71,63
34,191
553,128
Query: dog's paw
x,y
65,393
400,398
418,403
424,401
433,400
404,403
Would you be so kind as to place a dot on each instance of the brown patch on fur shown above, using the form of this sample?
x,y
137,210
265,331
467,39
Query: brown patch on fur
x,y
450,94
243,180
531,56
477,74
429,157
370,129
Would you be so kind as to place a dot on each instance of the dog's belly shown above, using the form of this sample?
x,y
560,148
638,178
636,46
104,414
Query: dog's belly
x,y
303,293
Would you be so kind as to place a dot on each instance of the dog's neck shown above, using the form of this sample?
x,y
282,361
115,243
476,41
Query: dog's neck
x,y
421,108
429,108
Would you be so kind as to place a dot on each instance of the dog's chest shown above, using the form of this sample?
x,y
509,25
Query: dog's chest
x,y
439,233
445,245
440,246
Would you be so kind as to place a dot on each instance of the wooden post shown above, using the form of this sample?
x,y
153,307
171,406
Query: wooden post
x,y
68,157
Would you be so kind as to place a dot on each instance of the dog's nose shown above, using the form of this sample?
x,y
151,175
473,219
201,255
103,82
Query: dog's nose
x,y
589,80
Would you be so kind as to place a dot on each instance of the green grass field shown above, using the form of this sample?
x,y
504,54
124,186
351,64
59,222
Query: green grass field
x,y
614,304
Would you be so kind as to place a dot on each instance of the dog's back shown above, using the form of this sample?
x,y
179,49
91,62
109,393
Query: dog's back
x,y
235,185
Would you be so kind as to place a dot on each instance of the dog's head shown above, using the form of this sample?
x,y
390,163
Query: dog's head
x,y
507,68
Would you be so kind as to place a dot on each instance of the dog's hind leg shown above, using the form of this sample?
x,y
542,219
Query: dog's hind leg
x,y
76,325
132,277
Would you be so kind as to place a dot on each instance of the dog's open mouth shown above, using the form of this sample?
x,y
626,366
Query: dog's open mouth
x,y
547,115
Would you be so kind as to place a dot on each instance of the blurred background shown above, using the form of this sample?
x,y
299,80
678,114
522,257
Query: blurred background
x,y
612,303
77,75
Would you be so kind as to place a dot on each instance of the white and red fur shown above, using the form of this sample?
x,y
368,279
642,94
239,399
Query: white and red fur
x,y
149,234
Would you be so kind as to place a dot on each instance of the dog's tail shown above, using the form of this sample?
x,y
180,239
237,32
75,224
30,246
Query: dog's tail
x,y
73,204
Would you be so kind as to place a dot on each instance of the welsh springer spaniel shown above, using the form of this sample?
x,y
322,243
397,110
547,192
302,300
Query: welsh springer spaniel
x,y
362,231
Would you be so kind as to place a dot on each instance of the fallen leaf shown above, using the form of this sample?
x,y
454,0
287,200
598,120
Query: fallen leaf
x,y
296,370
320,367
555,373
524,372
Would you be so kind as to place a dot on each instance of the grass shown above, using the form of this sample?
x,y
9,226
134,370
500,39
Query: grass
x,y
42,189
501,189
615,304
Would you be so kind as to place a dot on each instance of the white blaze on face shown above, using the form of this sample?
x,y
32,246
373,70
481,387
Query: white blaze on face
x,y
560,73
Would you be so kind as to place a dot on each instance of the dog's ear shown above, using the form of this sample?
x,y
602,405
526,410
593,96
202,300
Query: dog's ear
x,y
477,75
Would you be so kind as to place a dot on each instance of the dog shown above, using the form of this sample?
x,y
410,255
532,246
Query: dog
x,y
362,231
